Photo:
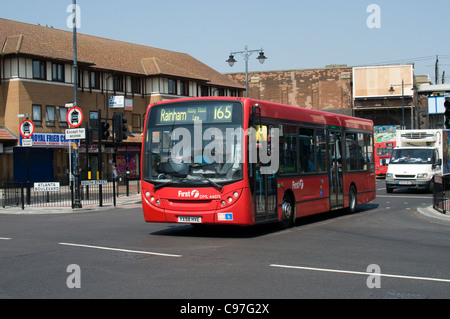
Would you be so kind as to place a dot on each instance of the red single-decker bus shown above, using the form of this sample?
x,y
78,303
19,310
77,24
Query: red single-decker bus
x,y
240,161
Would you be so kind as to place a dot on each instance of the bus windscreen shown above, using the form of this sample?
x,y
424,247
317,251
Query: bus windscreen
x,y
193,144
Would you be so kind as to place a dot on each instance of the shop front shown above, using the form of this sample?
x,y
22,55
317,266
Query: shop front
x,y
127,162
46,160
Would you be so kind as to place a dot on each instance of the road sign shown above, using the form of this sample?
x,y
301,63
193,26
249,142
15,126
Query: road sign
x,y
94,182
27,142
26,128
75,117
76,134
46,187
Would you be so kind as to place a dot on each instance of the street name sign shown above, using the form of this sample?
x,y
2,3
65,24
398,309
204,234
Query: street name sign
x,y
94,182
46,187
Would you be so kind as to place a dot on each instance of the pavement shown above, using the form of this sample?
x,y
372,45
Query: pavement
x,y
434,214
122,202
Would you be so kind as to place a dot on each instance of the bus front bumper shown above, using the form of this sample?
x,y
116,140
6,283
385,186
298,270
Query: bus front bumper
x,y
402,183
234,214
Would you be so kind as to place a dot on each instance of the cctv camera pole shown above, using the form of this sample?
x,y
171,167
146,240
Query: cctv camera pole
x,y
77,200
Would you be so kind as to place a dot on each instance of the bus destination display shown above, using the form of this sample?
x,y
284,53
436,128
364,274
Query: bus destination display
x,y
182,115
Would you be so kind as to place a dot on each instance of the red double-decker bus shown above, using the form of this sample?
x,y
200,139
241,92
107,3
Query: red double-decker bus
x,y
383,153
240,161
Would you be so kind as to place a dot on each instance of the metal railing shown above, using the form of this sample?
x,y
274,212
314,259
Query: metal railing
x,y
22,194
441,193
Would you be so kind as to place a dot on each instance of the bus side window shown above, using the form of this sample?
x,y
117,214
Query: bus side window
x,y
306,150
262,139
288,149
321,145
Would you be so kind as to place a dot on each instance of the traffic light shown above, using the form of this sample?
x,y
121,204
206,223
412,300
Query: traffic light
x,y
104,126
447,113
89,136
120,127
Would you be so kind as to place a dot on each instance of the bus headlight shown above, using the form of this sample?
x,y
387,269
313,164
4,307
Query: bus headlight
x,y
229,198
152,198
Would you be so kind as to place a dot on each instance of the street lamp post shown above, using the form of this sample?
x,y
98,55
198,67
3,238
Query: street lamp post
x,y
392,90
246,54
77,199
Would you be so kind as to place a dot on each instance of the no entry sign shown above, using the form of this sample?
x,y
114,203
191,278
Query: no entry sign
x,y
75,117
26,128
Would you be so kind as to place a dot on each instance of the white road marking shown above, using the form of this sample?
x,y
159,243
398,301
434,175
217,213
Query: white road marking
x,y
360,273
4,238
415,197
121,250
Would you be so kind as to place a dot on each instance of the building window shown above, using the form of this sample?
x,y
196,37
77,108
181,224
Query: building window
x,y
93,118
135,85
37,114
39,70
62,116
118,83
172,86
136,123
58,72
184,88
204,91
94,80
50,116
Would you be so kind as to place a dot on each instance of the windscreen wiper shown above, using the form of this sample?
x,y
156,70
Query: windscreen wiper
x,y
163,184
217,186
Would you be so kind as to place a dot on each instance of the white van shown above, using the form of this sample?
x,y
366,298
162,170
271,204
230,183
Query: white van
x,y
416,160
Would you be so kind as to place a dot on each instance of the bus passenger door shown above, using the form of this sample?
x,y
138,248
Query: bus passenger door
x,y
336,179
264,185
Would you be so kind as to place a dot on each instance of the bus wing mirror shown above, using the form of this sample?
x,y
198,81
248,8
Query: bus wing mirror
x,y
256,112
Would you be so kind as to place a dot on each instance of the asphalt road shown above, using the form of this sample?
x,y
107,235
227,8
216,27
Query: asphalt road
x,y
385,250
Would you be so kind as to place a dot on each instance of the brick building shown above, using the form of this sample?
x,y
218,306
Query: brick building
x,y
373,92
320,89
36,78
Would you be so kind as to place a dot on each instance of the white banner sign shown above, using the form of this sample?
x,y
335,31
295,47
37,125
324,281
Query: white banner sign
x,y
27,142
116,102
76,134
120,102
49,139
436,105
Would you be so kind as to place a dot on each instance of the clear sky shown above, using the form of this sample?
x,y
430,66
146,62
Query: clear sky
x,y
295,34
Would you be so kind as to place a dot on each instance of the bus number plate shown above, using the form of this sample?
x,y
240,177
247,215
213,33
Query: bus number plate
x,y
190,219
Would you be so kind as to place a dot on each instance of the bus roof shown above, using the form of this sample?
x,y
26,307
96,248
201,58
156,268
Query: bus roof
x,y
291,113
